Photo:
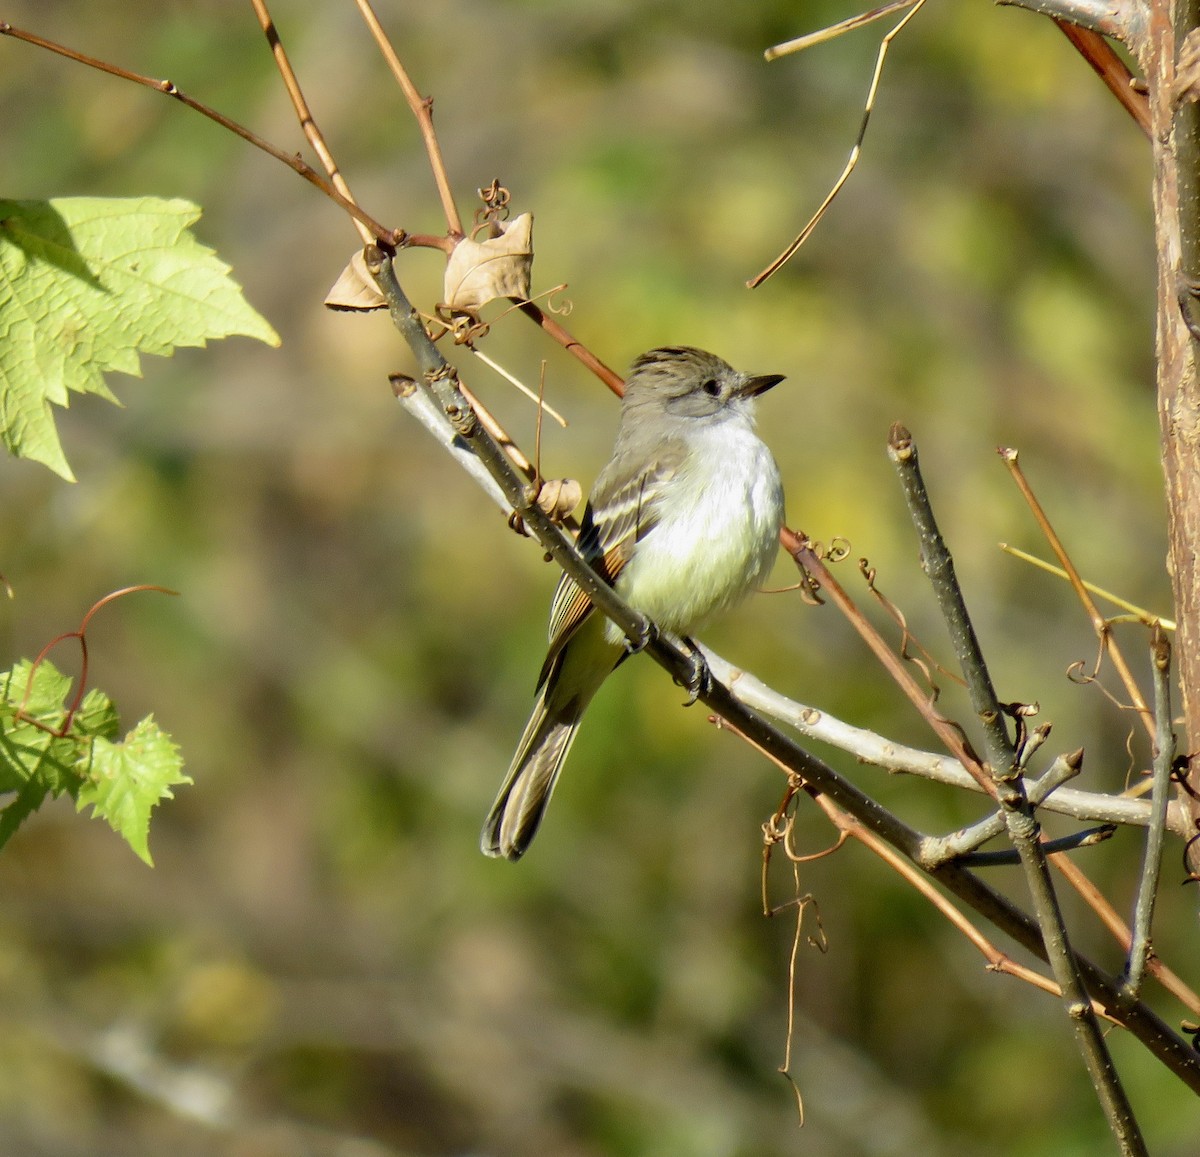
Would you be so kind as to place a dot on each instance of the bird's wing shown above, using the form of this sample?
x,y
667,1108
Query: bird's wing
x,y
619,514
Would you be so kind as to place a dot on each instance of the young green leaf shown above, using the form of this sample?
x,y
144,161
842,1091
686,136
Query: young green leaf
x,y
86,285
124,781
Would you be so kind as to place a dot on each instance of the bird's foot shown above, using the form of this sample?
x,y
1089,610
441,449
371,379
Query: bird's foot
x,y
639,643
698,678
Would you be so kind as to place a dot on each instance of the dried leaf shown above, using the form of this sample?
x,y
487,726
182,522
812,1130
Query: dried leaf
x,y
480,271
355,288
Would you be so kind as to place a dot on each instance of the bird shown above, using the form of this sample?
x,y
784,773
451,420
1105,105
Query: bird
x,y
683,521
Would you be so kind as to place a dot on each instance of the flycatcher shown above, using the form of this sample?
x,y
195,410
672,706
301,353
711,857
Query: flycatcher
x,y
683,521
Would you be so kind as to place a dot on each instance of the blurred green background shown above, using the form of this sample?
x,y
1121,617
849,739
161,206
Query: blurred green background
x,y
321,961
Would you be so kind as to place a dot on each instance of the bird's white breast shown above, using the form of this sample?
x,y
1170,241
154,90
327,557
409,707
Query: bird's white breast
x,y
717,531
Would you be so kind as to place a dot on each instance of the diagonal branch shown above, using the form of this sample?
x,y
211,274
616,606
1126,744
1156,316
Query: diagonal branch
x,y
383,236
1019,818
1164,761
422,110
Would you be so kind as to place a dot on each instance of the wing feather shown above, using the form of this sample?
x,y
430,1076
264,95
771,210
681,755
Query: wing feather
x,y
620,513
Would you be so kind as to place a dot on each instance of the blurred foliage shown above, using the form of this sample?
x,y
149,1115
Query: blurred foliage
x,y
321,962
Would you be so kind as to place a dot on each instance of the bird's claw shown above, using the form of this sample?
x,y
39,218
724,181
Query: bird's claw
x,y
647,636
698,678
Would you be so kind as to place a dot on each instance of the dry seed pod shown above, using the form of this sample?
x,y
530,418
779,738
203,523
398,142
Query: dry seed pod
x,y
558,497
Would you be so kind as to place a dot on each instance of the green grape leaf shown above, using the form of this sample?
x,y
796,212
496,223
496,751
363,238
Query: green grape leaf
x,y
121,780
31,751
87,285
124,781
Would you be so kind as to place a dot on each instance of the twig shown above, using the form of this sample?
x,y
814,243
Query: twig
x,y
799,43
422,110
851,161
1022,825
425,410
938,850
1140,613
573,346
1164,759
1099,623
939,568
806,558
1084,839
1121,933
385,237
308,124
1108,65
513,380
877,750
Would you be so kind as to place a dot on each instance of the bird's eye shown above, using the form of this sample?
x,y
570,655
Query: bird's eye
x,y
711,387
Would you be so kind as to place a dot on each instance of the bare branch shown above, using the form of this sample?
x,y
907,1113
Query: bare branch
x,y
1123,20
1099,623
877,750
1019,818
385,237
1111,69
1164,761
422,110
308,124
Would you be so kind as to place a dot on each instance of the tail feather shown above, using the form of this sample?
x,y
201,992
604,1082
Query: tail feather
x,y
574,677
521,802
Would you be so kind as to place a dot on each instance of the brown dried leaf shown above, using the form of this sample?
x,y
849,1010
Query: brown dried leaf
x,y
355,288
480,271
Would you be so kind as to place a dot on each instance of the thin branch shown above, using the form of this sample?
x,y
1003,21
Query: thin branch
x,y
1164,759
385,237
1022,825
1099,623
1123,20
1011,856
938,850
799,43
1140,613
851,161
869,747
573,346
939,568
1109,66
810,563
422,110
425,410
308,124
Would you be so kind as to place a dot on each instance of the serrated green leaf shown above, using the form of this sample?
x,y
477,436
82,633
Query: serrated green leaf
x,y
96,716
30,751
124,781
19,809
86,285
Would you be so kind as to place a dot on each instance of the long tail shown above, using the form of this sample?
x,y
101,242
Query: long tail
x,y
521,802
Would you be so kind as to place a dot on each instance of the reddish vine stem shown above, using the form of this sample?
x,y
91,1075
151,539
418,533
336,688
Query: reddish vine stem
x,y
422,110
385,237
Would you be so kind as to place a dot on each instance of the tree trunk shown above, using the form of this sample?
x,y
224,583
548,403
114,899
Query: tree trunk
x,y
1176,181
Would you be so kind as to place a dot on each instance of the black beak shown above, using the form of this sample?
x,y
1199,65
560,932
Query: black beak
x,y
752,387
